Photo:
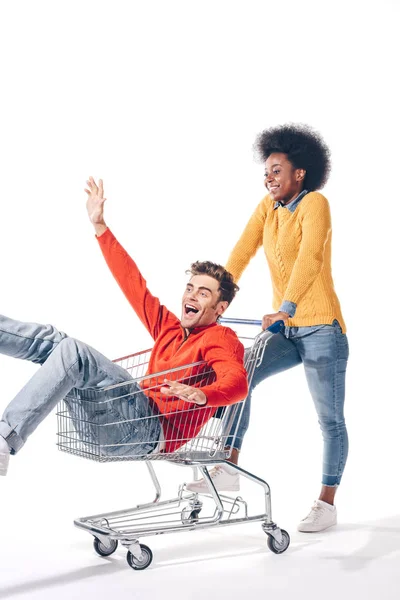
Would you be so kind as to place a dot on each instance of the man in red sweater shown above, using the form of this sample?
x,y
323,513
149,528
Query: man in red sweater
x,y
142,418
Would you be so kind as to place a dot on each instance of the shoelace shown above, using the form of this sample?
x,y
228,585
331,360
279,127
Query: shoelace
x,y
315,513
215,471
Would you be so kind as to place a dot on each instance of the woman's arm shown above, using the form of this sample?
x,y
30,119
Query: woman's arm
x,y
249,242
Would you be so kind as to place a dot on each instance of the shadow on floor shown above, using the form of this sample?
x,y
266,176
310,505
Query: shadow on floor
x,y
383,540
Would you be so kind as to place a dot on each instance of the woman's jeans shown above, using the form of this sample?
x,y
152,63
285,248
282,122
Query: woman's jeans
x,y
68,363
323,350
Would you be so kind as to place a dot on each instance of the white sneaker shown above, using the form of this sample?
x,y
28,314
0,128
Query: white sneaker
x,y
4,456
223,477
321,516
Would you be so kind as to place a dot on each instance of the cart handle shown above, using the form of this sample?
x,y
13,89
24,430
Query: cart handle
x,y
274,328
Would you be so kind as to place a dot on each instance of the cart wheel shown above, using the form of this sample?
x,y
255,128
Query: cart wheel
x,y
144,562
277,548
194,515
190,517
104,550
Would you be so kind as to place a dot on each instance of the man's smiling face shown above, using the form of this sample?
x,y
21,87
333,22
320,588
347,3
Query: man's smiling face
x,y
201,304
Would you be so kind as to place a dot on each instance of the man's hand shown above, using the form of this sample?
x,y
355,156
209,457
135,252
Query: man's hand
x,y
184,392
268,320
95,205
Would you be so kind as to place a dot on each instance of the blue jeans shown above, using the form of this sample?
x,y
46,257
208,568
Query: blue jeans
x,y
69,366
323,350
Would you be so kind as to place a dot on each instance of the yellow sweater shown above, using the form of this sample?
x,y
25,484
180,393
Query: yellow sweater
x,y
298,250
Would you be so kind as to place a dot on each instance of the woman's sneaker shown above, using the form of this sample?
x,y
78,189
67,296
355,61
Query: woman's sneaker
x,y
4,456
225,479
321,516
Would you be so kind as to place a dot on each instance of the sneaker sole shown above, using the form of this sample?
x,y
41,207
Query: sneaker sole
x,y
315,530
233,488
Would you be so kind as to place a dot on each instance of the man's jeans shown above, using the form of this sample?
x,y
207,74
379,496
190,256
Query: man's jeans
x,y
66,364
323,350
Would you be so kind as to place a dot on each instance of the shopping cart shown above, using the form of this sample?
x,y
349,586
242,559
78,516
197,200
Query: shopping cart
x,y
87,422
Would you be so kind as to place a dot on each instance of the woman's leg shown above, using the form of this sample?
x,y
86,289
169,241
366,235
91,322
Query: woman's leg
x,y
324,351
280,354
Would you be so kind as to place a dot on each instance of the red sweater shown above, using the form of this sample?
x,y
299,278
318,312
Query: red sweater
x,y
215,344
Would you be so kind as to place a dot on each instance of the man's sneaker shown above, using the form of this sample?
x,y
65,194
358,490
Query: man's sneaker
x,y
225,479
4,456
321,516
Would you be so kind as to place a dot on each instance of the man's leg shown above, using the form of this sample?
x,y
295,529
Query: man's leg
x,y
28,341
115,422
324,350
280,355
67,363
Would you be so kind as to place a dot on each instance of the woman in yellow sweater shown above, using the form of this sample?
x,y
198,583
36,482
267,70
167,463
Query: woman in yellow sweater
x,y
293,224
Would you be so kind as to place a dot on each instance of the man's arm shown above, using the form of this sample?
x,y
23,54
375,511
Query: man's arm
x,y
148,308
225,356
95,205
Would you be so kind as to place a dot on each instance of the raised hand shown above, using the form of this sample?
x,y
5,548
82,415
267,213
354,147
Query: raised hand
x,y
184,392
95,205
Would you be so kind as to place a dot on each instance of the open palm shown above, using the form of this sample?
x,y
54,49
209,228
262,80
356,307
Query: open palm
x,y
95,201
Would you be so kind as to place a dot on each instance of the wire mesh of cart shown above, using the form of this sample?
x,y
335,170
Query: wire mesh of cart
x,y
123,422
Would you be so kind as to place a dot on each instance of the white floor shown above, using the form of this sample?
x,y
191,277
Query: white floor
x,y
356,560
43,556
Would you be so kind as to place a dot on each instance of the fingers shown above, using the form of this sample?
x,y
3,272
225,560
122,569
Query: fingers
x,y
270,319
92,185
174,388
167,391
182,391
98,190
169,388
265,322
192,398
197,397
171,392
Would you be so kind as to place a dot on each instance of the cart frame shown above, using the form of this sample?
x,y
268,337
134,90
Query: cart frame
x,y
182,513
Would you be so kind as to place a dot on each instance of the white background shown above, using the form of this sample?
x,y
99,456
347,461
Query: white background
x,y
163,100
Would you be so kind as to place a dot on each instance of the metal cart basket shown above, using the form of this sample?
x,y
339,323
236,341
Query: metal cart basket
x,y
103,425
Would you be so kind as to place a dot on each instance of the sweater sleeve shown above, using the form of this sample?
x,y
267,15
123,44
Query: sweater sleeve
x,y
225,356
315,228
249,242
147,307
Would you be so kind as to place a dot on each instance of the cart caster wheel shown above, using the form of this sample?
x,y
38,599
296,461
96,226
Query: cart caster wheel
x,y
139,565
277,548
190,516
104,550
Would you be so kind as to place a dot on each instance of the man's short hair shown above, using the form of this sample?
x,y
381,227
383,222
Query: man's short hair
x,y
227,287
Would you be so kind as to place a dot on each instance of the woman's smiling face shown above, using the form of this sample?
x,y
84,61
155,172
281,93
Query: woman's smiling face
x,y
283,181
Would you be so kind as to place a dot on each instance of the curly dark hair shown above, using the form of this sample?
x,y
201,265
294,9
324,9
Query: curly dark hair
x,y
227,287
303,146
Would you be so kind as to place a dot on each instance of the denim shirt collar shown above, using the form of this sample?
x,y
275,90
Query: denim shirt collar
x,y
293,204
